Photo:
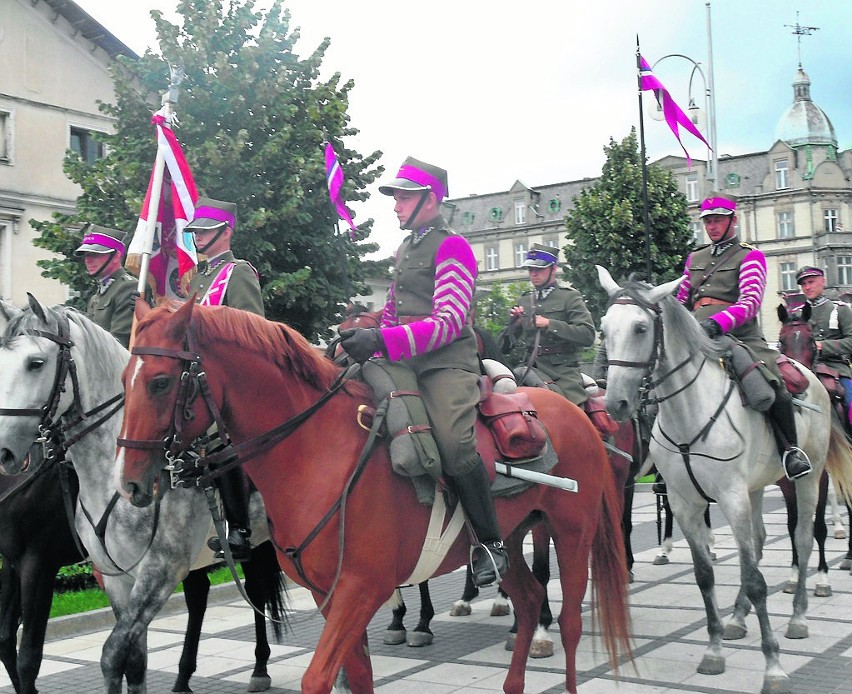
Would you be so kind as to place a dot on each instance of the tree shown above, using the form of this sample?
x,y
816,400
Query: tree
x,y
606,226
252,119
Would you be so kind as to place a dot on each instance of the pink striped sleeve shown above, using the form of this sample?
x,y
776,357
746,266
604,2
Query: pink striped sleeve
x,y
455,276
752,286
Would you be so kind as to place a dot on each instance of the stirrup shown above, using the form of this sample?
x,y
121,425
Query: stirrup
x,y
807,461
498,575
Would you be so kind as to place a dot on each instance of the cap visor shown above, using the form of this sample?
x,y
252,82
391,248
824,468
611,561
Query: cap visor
x,y
93,248
717,210
400,184
204,224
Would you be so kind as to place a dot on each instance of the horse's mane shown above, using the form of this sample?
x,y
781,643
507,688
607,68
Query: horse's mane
x,y
277,342
678,321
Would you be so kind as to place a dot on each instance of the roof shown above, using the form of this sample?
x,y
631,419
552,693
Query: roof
x,y
805,123
90,28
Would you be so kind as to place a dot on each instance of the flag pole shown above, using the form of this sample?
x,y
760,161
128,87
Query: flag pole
x,y
646,215
169,101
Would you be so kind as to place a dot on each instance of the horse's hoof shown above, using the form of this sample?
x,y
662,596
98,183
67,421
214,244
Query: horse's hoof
x,y
460,610
711,665
840,534
499,609
845,565
712,556
394,637
259,683
541,649
777,684
734,632
661,560
797,631
416,639
822,590
791,587
510,642
630,577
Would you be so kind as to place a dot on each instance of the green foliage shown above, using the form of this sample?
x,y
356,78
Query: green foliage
x,y
492,314
606,226
252,119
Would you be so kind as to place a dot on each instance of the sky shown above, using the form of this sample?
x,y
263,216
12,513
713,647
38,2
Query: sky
x,y
498,91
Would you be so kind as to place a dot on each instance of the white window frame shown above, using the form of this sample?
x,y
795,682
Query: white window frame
x,y
692,187
784,225
520,252
520,211
7,140
782,174
844,270
787,276
492,258
830,218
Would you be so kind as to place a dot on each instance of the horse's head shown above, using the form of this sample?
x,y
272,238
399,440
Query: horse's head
x,y
632,331
35,386
161,411
796,337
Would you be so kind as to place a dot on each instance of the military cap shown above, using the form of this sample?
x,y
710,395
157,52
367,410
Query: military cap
x,y
418,175
541,256
212,214
98,239
718,203
808,271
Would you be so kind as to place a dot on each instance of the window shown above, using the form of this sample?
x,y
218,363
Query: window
x,y
788,276
492,258
520,211
468,217
554,205
781,175
695,230
829,219
520,253
732,180
785,225
85,145
5,136
692,188
553,243
844,270
495,214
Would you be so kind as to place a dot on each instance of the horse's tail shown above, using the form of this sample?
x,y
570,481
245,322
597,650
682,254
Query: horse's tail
x,y
269,584
838,462
609,575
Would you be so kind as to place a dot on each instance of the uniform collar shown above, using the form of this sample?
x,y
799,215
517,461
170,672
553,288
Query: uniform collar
x,y
716,249
819,301
542,294
217,261
421,233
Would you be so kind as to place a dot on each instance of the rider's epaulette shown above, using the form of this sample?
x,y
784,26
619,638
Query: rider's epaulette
x,y
746,245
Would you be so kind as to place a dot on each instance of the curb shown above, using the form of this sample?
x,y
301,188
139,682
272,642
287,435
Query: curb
x,y
103,618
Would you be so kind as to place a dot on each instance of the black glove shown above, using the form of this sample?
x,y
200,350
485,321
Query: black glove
x,y
133,297
362,343
711,327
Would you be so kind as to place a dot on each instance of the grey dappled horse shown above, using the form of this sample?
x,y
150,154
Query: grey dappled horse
x,y
707,444
144,552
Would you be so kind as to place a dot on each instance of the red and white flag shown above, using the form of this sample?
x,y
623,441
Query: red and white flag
x,y
334,179
173,257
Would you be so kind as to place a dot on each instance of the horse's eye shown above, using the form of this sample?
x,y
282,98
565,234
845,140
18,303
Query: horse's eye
x,y
641,328
35,364
159,385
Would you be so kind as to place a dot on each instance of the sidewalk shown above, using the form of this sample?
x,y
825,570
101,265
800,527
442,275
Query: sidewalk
x,y
468,653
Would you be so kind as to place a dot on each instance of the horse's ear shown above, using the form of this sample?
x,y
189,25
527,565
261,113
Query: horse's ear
x,y
7,312
609,284
660,292
141,309
807,310
179,323
783,315
36,307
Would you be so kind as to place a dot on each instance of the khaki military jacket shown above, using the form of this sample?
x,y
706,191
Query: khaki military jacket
x,y
243,290
832,325
112,309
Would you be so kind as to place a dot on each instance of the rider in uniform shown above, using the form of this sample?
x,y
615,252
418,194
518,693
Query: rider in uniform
x,y
558,326
223,280
111,306
724,285
832,327
424,324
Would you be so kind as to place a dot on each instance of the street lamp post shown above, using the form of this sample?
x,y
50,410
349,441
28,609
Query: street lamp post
x,y
695,112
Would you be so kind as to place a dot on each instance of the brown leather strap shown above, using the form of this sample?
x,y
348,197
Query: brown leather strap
x,y
710,301
405,320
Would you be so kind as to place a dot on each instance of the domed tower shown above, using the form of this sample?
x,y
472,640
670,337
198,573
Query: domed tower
x,y
805,123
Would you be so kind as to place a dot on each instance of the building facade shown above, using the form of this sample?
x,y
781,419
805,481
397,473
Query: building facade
x,y
795,204
56,62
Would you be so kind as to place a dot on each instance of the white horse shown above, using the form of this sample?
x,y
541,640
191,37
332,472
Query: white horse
x,y
707,445
56,363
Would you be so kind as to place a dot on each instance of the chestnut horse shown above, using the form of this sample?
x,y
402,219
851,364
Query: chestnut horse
x,y
345,525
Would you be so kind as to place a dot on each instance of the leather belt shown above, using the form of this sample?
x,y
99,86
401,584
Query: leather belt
x,y
710,301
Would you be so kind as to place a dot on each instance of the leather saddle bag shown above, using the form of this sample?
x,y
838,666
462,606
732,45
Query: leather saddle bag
x,y
830,378
514,423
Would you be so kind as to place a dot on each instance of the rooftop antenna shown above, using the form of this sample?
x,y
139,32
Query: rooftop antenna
x,y
800,31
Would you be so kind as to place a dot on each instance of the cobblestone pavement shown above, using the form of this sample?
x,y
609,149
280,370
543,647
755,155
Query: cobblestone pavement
x,y
468,653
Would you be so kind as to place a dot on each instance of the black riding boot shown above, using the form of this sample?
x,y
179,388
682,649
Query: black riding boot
x,y
234,490
659,486
794,459
490,560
